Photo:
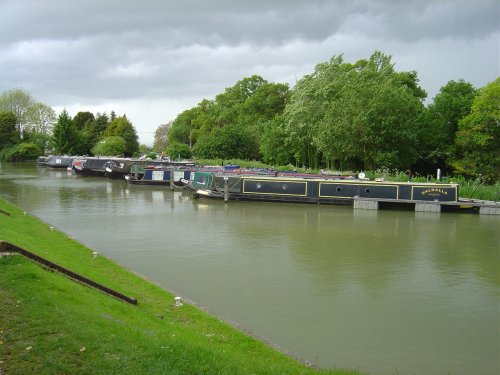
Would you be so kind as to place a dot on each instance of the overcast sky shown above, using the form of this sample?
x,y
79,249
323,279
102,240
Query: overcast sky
x,y
152,59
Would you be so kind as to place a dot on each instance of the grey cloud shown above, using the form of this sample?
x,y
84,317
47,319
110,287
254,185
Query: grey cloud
x,y
233,22
90,51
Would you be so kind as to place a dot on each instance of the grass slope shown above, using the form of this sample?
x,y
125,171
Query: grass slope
x,y
50,324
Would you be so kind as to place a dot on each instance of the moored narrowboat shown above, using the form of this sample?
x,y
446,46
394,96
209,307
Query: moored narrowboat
x,y
161,176
319,190
60,161
91,166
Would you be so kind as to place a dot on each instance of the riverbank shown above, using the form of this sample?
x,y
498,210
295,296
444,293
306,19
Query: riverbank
x,y
50,324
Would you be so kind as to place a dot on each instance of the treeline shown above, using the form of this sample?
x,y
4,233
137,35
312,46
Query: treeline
x,y
360,116
28,128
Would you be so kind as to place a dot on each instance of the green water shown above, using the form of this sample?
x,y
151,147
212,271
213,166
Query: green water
x,y
388,292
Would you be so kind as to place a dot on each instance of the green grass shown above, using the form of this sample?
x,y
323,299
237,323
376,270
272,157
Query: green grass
x,y
50,324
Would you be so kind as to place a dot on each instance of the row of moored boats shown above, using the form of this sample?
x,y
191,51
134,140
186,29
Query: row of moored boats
x,y
236,183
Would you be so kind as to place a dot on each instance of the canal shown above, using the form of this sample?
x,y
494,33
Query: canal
x,y
387,292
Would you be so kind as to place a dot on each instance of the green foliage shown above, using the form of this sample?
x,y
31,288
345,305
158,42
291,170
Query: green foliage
x,y
21,152
225,143
182,127
40,118
354,115
93,131
122,127
82,118
478,189
9,135
176,149
110,146
161,137
273,147
243,109
65,138
42,140
439,124
478,136
17,101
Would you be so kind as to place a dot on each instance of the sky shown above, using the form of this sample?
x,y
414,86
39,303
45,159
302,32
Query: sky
x,y
153,59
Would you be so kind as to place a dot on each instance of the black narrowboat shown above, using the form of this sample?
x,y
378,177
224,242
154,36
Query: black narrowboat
x,y
320,190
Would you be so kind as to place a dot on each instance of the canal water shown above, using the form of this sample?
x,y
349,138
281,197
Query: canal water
x,y
387,292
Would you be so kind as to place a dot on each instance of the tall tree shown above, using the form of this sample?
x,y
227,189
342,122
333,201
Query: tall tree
x,y
81,118
439,124
40,118
9,135
182,127
65,136
94,130
18,101
360,115
161,137
122,127
478,136
273,146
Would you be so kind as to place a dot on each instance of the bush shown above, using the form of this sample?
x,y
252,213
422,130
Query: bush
x,y
110,146
21,152
176,150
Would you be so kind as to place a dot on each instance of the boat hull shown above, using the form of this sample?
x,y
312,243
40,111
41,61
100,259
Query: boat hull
x,y
324,191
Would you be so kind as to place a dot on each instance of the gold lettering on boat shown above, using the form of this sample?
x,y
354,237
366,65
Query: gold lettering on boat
x,y
434,192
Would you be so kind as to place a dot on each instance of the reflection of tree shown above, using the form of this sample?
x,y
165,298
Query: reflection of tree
x,y
366,247
335,244
464,244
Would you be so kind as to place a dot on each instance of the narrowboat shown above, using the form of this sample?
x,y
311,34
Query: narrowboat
x,y
120,167
60,161
42,161
317,190
161,176
91,166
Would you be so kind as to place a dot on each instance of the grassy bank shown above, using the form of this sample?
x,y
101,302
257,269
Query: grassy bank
x,y
52,325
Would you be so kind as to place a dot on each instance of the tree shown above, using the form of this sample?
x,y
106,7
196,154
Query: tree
x,y
273,145
81,119
245,108
122,127
226,142
9,135
478,136
22,152
110,146
182,127
18,101
94,130
65,135
360,115
439,124
40,120
161,137
176,150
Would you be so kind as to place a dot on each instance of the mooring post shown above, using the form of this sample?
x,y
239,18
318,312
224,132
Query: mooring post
x,y
171,179
226,189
